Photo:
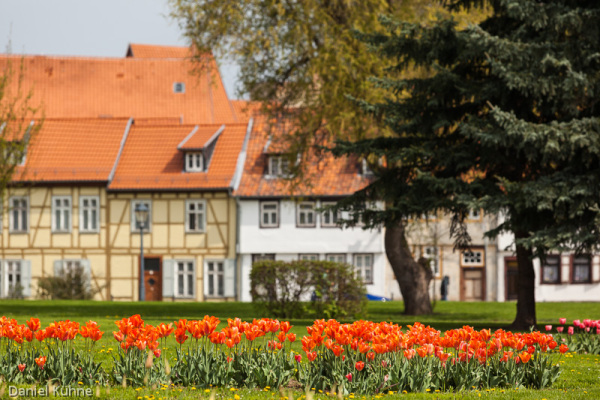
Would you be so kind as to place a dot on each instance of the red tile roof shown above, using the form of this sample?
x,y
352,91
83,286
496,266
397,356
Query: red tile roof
x,y
154,51
73,150
327,176
200,137
151,161
142,88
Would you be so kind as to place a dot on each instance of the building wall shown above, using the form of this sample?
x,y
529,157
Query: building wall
x,y
434,231
114,251
287,242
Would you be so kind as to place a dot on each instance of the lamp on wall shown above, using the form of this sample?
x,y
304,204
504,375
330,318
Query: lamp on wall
x,y
141,216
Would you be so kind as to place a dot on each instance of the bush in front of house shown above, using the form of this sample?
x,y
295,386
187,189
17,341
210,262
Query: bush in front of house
x,y
319,289
71,284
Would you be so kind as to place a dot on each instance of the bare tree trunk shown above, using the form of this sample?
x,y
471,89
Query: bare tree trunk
x,y
526,288
413,277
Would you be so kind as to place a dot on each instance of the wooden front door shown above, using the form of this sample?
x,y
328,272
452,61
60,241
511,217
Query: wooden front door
x,y
153,278
473,284
511,279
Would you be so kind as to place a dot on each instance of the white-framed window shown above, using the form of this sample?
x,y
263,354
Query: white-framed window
x,y
194,162
308,257
89,214
135,226
329,218
336,257
472,258
195,216
15,278
185,278
61,214
279,165
12,275
269,214
215,276
71,265
364,267
431,253
305,214
19,214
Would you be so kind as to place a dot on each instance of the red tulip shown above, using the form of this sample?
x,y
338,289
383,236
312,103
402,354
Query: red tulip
x,y
359,365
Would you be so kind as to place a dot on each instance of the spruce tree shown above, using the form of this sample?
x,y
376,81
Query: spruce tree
x,y
506,119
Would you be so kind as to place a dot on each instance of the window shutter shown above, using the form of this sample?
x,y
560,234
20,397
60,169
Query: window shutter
x,y
87,270
168,284
58,267
26,277
229,275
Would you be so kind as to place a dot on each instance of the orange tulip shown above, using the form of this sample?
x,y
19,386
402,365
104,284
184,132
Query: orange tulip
x,y
285,327
563,349
525,357
33,324
41,361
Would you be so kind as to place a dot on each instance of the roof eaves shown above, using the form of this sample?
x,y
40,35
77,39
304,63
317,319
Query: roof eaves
x,y
239,168
122,146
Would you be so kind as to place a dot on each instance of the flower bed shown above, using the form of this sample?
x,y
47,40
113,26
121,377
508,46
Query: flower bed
x,y
587,340
362,357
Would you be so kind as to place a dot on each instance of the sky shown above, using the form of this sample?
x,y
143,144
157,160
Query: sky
x,y
102,28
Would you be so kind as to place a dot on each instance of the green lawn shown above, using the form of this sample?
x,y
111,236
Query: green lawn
x,y
580,377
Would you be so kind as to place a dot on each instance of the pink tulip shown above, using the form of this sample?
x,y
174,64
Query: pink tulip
x,y
587,323
562,321
597,331
576,322
548,327
587,329
571,330
560,329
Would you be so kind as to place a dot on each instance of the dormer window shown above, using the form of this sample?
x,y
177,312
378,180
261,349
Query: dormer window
x,y
279,166
364,169
198,147
194,162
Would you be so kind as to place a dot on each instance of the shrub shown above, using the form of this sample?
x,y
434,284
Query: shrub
x,y
71,284
283,288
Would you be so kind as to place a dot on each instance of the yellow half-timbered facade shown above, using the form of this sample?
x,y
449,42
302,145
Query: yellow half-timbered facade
x,y
135,130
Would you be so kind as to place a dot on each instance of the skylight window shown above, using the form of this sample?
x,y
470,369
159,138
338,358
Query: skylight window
x,y
179,87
